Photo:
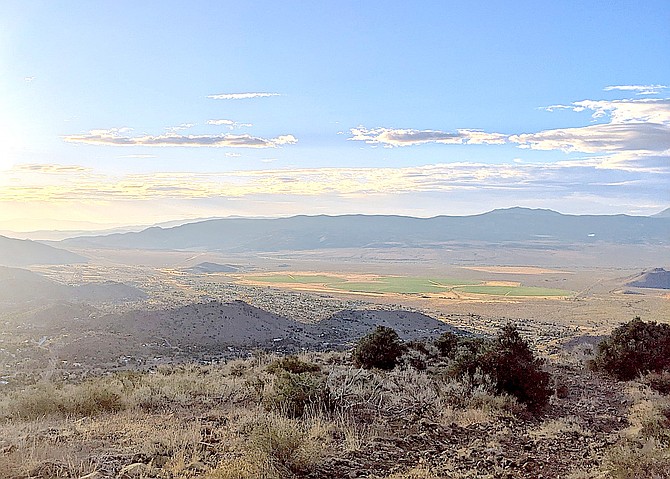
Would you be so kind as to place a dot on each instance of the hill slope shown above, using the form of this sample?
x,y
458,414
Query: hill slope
x,y
20,286
14,252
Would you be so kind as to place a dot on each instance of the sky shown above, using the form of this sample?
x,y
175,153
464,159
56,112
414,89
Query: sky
x,y
137,113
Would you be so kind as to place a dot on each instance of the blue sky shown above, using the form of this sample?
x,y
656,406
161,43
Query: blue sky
x,y
139,112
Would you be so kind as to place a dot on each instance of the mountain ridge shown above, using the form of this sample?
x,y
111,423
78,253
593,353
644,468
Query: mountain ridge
x,y
355,231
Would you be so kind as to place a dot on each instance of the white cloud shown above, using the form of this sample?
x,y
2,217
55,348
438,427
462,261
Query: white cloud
x,y
221,122
240,96
391,137
229,123
183,126
641,126
638,89
118,137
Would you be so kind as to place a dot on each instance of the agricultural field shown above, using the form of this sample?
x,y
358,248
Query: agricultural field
x,y
401,285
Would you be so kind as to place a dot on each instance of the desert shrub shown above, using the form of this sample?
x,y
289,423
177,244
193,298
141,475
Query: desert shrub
x,y
447,344
515,370
658,381
503,365
632,460
86,399
292,364
284,448
466,358
296,394
633,348
380,349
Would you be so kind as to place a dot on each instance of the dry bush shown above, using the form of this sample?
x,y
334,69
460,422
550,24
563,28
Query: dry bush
x,y
284,445
633,460
86,399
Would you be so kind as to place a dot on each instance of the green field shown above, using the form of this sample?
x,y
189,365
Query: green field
x,y
296,278
513,290
406,285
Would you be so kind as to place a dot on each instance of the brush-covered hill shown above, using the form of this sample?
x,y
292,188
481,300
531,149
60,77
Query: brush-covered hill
x,y
357,231
21,286
657,278
15,252
203,331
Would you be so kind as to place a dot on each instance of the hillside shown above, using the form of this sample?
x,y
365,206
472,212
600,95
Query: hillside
x,y
658,278
20,285
357,231
14,252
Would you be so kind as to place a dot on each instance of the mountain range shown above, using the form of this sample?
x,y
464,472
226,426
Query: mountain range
x,y
359,231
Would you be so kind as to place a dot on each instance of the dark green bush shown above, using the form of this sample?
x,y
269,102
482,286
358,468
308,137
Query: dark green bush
x,y
515,370
380,349
292,364
505,364
634,348
447,344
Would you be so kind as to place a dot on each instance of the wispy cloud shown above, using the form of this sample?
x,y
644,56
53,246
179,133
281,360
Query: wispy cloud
x,y
391,137
631,125
241,96
119,137
638,89
586,176
50,168
183,126
229,123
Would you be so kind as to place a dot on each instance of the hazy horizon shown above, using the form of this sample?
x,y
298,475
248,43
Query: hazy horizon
x,y
121,114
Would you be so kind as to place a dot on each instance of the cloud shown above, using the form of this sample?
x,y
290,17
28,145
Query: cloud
x,y
641,126
390,137
638,89
221,122
183,126
50,168
118,137
229,123
585,176
240,96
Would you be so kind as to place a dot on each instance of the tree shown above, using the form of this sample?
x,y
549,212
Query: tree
x,y
379,349
634,348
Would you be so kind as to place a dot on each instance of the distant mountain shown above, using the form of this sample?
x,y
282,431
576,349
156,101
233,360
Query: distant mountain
x,y
15,252
657,278
357,231
20,286
662,214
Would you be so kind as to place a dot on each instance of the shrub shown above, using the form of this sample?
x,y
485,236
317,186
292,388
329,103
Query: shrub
x,y
515,370
296,394
292,364
379,349
447,344
659,381
283,448
634,348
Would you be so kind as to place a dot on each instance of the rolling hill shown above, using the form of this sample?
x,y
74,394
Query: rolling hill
x,y
20,286
15,252
512,225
